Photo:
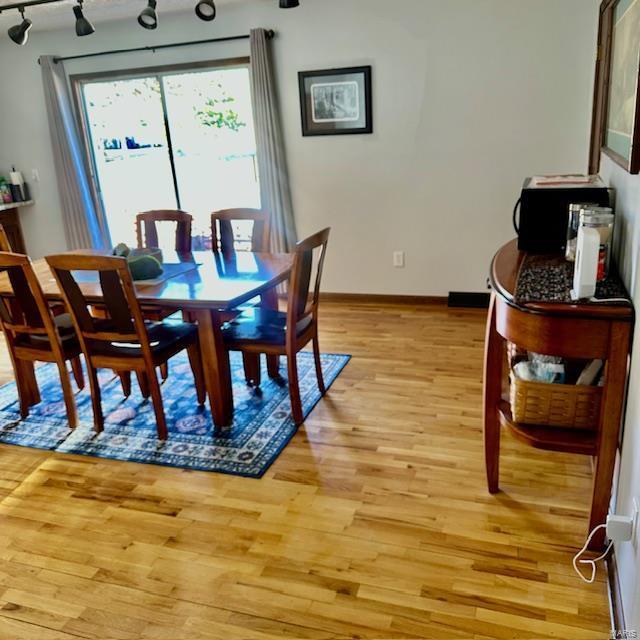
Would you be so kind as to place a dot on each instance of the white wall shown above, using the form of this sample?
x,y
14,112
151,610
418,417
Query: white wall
x,y
628,253
471,96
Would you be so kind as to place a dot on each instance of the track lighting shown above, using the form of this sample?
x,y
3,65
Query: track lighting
x,y
20,32
206,10
148,17
83,26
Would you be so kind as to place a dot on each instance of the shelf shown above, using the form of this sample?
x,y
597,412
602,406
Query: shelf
x,y
15,205
549,437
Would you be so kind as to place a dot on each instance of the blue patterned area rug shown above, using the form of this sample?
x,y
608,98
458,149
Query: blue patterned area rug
x,y
261,429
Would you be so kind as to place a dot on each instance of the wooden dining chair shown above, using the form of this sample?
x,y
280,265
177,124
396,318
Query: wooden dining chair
x,y
147,229
225,240
5,245
123,341
224,237
147,236
57,308
258,330
34,334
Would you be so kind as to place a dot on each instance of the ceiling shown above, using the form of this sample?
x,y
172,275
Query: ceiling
x,y
56,15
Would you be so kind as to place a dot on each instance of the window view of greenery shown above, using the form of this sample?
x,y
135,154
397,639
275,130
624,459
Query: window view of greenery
x,y
210,123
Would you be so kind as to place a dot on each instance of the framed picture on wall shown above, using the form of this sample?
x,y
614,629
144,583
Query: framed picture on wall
x,y
336,101
621,135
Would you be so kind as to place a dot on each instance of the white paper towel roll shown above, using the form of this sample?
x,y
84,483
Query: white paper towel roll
x,y
585,275
16,178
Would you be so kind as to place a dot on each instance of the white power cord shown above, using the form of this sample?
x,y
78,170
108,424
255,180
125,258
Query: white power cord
x,y
606,300
619,529
594,568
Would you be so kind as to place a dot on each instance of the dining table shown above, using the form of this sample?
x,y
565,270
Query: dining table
x,y
206,286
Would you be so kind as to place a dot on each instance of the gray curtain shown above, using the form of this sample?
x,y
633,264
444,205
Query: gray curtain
x,y
84,222
272,164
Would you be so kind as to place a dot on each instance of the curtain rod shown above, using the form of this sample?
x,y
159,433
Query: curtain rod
x,y
270,34
26,3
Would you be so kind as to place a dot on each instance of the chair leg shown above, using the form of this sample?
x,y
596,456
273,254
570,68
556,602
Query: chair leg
x,y
164,370
195,361
24,404
269,300
273,366
125,381
98,417
28,373
67,393
294,389
252,373
24,392
28,391
76,368
143,383
158,407
316,357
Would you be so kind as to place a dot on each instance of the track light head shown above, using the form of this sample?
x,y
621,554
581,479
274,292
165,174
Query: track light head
x,y
289,4
83,26
148,17
20,32
206,10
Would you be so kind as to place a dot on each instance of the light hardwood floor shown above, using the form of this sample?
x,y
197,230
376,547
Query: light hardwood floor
x,y
374,522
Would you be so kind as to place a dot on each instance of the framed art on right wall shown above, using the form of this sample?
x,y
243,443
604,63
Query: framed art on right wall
x,y
621,131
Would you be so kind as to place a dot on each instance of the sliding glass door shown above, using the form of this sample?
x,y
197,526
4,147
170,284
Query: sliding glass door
x,y
171,140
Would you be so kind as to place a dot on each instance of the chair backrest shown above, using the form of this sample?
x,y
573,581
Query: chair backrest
x,y
26,312
304,296
125,322
149,236
5,245
225,241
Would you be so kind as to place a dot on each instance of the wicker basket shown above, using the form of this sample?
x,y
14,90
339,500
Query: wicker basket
x,y
561,405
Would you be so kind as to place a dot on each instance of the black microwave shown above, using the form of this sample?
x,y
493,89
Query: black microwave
x,y
544,209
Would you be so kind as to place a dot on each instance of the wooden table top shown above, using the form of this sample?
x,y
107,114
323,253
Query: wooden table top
x,y
504,279
215,281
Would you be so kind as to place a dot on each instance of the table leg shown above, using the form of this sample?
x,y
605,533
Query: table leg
x,y
217,371
269,300
610,419
493,361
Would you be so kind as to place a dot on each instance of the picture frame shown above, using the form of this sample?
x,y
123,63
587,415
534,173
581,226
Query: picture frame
x,y
616,128
336,101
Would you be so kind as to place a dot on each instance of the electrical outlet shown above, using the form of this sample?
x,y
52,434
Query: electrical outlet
x,y
35,175
620,528
398,259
